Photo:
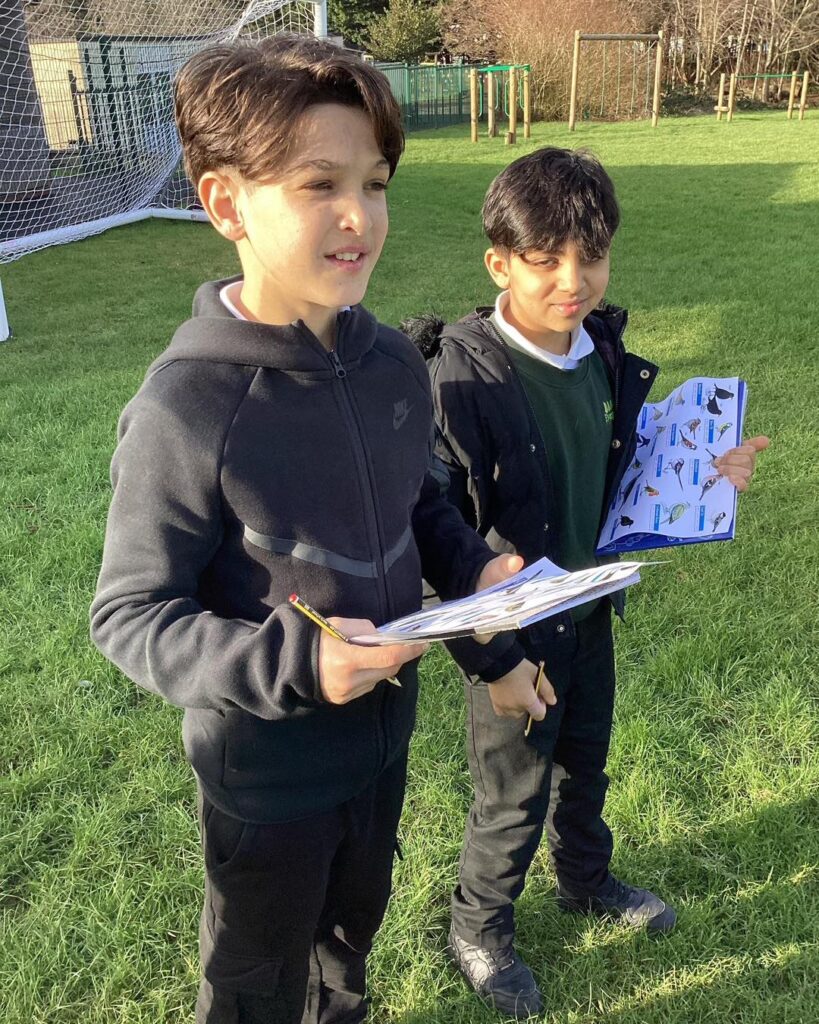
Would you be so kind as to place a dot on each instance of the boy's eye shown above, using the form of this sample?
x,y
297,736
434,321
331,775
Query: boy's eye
x,y
318,186
378,185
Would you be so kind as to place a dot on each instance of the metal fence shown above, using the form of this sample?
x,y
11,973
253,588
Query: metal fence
x,y
430,96
139,108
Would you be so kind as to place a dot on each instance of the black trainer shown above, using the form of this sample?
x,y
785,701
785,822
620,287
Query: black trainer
x,y
498,976
636,908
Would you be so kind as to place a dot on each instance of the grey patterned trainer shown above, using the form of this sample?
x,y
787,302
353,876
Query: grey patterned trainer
x,y
633,907
498,976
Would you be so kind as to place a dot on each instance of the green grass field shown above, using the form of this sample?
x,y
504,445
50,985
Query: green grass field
x,y
715,764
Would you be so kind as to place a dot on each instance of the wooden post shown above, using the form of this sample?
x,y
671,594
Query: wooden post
x,y
491,127
720,95
792,96
658,71
473,103
758,67
803,98
732,95
575,66
512,134
527,105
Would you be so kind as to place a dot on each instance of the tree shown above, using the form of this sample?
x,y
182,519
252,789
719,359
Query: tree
x,y
407,31
349,18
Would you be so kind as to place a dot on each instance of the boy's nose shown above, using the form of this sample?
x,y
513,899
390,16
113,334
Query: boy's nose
x,y
353,215
571,276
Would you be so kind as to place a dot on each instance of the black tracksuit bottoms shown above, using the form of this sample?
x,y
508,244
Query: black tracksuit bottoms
x,y
291,909
555,777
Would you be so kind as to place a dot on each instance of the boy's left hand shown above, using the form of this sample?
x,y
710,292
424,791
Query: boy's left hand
x,y
737,464
499,569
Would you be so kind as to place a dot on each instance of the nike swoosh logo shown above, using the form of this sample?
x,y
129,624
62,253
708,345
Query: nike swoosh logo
x,y
399,419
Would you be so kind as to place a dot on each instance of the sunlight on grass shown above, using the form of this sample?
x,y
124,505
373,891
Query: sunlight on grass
x,y
715,762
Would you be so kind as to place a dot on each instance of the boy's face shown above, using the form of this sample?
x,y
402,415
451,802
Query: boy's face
x,y
549,293
309,238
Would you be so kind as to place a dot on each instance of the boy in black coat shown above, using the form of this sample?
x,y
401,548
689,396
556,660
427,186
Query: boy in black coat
x,y
282,443
536,403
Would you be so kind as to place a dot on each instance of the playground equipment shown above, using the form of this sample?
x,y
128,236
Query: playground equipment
x,y
633,66
87,134
507,88
728,106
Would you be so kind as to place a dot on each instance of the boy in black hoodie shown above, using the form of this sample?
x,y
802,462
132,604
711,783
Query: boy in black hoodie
x,y
281,444
536,404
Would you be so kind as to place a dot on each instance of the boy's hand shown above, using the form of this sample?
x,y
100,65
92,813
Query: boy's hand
x,y
347,671
737,464
513,695
496,571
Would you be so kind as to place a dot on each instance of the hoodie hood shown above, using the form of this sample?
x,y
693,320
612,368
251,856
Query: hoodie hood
x,y
213,334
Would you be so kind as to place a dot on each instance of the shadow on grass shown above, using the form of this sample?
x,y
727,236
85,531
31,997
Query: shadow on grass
x,y
745,943
727,240
690,236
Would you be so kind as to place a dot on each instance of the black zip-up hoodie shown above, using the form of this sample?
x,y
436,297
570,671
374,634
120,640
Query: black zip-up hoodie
x,y
492,447
253,463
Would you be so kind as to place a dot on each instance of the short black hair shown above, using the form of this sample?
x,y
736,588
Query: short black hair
x,y
549,198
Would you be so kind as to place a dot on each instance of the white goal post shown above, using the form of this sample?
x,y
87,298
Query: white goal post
x,y
87,134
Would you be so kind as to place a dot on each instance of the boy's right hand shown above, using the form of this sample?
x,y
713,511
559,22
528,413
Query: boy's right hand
x,y
347,671
513,695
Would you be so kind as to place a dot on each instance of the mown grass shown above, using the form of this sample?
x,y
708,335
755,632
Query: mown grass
x,y
715,762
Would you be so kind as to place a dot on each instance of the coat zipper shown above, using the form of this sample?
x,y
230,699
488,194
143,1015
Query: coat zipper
x,y
365,473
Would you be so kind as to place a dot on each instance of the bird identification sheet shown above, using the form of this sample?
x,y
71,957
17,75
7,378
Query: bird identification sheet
x,y
537,591
672,493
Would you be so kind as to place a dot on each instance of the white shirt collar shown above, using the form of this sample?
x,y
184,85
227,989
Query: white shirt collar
x,y
227,302
581,345
230,306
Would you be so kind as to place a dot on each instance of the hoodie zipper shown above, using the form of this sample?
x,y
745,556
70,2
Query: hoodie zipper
x,y
338,366
365,473
361,455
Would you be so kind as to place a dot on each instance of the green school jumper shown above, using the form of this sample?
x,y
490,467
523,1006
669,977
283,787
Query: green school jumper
x,y
574,411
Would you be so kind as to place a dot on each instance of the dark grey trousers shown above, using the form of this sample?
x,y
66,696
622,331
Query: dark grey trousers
x,y
555,779
291,909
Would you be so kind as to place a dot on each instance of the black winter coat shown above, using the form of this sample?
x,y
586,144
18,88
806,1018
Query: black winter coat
x,y
492,447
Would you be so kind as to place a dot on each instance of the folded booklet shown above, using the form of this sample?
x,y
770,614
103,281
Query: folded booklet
x,y
539,590
671,493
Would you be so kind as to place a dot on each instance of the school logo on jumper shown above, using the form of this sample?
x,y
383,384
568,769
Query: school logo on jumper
x,y
608,411
400,411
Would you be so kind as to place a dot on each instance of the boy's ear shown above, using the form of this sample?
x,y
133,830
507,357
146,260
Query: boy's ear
x,y
219,194
497,263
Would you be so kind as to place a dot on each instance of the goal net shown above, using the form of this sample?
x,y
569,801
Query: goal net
x,y
87,134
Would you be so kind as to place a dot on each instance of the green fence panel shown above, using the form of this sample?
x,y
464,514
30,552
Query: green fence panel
x,y
430,96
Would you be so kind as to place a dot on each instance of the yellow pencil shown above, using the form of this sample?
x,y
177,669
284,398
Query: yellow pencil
x,y
328,627
538,681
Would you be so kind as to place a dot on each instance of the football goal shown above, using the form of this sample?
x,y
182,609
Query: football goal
x,y
87,134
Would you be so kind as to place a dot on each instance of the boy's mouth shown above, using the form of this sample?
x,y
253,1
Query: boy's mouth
x,y
568,308
347,258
